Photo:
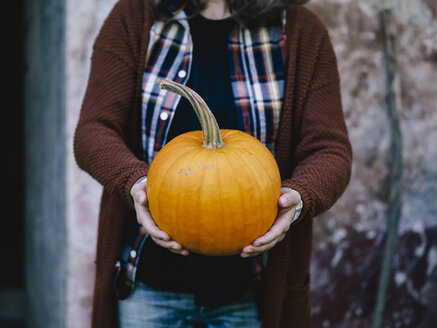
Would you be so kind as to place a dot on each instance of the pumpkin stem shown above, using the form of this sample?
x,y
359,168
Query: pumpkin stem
x,y
212,138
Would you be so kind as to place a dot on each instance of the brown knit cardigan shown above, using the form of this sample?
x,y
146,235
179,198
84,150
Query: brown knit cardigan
x,y
313,151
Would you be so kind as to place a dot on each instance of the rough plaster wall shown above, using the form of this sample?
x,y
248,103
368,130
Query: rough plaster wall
x,y
83,21
354,30
355,34
348,238
45,162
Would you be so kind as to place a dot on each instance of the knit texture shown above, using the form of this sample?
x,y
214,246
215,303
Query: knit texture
x,y
313,151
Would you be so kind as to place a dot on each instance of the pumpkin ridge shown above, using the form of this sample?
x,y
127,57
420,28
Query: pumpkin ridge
x,y
224,223
241,171
203,198
195,202
178,217
191,136
161,181
255,176
199,193
267,172
256,179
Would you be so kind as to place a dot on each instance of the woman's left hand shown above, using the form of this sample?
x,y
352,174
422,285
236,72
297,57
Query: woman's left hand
x,y
287,202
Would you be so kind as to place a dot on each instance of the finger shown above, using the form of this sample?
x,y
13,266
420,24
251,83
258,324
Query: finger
x,y
183,252
138,192
145,219
281,226
250,251
139,195
172,246
289,198
287,212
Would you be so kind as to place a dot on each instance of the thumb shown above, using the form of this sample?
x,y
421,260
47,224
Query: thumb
x,y
141,197
289,198
138,191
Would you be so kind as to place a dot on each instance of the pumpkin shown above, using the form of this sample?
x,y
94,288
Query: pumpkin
x,y
213,191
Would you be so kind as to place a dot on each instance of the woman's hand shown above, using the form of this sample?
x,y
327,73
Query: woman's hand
x,y
287,205
138,193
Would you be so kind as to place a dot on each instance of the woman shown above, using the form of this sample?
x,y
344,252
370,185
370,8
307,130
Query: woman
x,y
264,67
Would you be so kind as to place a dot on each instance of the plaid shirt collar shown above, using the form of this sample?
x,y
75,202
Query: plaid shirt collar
x,y
257,65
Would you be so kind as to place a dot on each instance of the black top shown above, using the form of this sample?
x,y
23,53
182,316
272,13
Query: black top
x,y
215,281
209,77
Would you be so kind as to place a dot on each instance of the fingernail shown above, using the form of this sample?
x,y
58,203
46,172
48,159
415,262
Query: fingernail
x,y
283,201
184,252
176,247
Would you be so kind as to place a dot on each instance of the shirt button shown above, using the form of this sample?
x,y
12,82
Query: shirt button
x,y
182,73
163,116
133,254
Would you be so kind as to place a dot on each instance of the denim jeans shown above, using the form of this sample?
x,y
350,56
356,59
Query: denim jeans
x,y
150,308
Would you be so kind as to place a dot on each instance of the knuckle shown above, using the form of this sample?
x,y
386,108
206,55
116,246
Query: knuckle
x,y
134,190
161,243
276,230
280,231
144,222
287,227
153,231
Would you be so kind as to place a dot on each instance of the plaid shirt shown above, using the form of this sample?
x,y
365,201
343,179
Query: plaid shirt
x,y
257,60
257,66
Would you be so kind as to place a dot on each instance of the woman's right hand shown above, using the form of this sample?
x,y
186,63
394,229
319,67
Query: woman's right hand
x,y
139,195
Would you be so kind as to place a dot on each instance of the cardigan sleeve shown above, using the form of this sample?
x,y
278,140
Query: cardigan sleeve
x,y
100,146
323,154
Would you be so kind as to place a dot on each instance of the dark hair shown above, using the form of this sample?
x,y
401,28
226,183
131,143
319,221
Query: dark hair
x,y
248,13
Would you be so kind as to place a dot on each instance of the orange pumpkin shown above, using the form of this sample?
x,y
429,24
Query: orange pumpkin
x,y
213,192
